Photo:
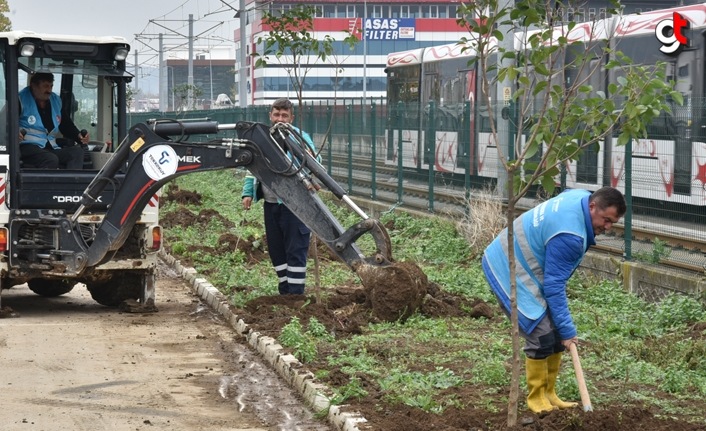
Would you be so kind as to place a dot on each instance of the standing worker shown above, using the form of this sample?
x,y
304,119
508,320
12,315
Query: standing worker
x,y
550,241
287,237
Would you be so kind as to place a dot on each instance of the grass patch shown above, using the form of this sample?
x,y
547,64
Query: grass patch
x,y
631,350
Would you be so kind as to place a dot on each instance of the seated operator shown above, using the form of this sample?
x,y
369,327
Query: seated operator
x,y
41,121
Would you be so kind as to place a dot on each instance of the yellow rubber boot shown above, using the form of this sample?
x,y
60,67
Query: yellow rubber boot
x,y
537,385
553,364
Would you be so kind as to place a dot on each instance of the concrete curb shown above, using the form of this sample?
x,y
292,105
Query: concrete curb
x,y
286,365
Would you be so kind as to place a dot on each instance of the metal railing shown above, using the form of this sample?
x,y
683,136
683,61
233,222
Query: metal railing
x,y
436,157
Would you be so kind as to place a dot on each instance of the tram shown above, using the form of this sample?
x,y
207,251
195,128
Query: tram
x,y
438,86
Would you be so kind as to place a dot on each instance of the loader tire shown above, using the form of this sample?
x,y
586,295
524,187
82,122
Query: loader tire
x,y
50,288
121,287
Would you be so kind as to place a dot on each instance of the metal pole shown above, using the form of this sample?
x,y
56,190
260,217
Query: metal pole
x,y
431,154
349,109
242,58
365,51
171,68
400,148
137,74
373,158
329,113
163,82
502,99
627,233
190,81
210,74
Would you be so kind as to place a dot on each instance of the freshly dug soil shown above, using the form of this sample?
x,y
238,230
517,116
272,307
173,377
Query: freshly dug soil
x,y
392,294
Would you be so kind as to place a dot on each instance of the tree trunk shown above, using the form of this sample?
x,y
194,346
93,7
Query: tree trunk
x,y
514,396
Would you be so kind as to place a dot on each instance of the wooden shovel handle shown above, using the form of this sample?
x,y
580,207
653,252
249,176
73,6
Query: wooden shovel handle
x,y
583,390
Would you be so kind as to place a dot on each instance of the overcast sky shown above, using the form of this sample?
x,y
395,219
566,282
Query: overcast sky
x,y
213,21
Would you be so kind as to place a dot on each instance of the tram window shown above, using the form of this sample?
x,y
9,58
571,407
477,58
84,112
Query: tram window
x,y
683,71
643,49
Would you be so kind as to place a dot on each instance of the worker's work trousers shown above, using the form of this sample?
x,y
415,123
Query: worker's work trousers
x,y
288,245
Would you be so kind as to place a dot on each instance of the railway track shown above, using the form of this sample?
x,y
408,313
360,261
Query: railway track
x,y
655,239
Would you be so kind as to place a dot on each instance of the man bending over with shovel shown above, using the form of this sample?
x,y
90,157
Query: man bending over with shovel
x,y
550,241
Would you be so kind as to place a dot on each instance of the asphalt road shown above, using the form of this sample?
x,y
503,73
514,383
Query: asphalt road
x,y
71,364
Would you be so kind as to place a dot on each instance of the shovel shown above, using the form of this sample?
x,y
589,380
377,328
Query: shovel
x,y
585,399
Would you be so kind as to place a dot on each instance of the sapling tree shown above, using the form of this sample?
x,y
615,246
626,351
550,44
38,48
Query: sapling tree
x,y
560,104
291,42
184,94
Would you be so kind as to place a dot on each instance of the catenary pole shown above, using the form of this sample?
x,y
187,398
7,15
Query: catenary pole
x,y
163,83
190,81
242,59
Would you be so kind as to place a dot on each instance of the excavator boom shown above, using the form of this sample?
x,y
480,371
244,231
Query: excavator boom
x,y
276,155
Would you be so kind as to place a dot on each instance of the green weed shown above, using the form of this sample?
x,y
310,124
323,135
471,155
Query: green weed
x,y
626,342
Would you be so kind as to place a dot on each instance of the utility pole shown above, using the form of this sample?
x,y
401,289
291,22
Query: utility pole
x,y
137,70
242,59
190,79
163,78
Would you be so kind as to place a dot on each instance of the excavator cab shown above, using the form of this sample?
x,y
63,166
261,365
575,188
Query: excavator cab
x,y
41,246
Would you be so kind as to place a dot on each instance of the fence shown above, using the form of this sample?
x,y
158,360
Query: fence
x,y
436,157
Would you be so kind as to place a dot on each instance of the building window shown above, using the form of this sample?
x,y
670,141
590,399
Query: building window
x,y
329,11
318,11
404,12
395,12
350,11
580,14
377,11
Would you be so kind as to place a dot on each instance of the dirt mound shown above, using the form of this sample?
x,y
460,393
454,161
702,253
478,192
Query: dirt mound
x,y
182,216
617,418
251,247
393,292
349,308
183,197
346,310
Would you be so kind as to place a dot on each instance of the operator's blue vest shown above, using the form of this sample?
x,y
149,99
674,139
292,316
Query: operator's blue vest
x,y
38,133
561,214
